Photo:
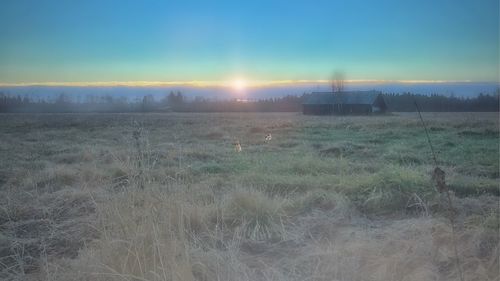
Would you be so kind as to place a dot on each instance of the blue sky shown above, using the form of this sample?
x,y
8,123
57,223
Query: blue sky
x,y
102,41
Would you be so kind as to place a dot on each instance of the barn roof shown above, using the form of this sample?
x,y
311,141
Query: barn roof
x,y
351,97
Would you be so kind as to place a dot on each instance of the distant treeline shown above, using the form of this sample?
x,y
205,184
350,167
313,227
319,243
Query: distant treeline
x,y
435,103
176,102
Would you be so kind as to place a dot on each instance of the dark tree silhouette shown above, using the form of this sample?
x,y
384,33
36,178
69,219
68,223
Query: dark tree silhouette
x,y
177,102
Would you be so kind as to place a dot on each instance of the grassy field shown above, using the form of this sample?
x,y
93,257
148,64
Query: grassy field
x,y
167,197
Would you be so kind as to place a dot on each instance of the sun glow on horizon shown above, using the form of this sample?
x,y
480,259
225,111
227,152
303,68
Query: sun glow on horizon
x,y
239,84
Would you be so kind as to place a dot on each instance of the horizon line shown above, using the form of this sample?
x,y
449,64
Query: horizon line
x,y
226,84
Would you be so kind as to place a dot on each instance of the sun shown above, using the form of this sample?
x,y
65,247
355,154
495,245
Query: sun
x,y
239,84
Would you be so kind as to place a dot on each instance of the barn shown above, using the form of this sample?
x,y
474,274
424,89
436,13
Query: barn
x,y
341,103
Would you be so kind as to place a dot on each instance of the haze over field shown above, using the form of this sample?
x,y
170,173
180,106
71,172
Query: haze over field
x,y
458,89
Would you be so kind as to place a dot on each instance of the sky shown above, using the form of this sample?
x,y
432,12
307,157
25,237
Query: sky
x,y
45,42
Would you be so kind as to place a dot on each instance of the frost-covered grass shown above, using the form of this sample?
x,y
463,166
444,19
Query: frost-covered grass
x,y
166,197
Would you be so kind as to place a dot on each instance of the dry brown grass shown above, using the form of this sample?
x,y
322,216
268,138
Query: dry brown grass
x,y
79,206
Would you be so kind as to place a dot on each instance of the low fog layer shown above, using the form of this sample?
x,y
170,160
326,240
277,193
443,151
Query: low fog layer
x,y
462,89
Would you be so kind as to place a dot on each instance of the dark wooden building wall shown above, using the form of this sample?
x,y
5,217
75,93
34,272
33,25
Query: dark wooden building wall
x,y
325,104
354,109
